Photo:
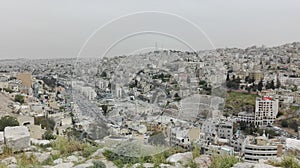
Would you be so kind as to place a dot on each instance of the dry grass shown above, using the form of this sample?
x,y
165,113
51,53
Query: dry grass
x,y
67,146
7,152
26,161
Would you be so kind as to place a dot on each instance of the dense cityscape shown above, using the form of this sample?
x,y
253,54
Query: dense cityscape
x,y
228,107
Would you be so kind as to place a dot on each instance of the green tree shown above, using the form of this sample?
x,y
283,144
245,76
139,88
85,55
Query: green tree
x,y
48,135
260,85
284,123
47,123
7,121
177,97
105,109
103,74
278,84
19,98
270,85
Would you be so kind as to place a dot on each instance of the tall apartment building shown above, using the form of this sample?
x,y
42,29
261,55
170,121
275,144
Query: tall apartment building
x,y
266,110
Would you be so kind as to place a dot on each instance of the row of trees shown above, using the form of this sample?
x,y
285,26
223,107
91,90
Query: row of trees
x,y
234,83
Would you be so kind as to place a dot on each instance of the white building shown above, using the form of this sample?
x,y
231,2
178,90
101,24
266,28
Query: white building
x,y
266,110
179,137
262,149
246,117
218,127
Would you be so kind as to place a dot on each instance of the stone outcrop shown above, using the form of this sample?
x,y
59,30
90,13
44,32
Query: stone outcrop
x,y
182,157
252,165
9,161
1,142
203,161
17,138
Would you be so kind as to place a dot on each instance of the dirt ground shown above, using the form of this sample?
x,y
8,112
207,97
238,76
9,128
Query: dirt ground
x,y
4,102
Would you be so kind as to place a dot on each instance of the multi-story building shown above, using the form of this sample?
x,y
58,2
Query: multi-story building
x,y
179,137
217,127
262,149
225,129
256,76
266,110
246,117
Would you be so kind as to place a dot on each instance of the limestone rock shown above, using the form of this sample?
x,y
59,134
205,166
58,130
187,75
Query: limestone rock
x,y
252,165
58,161
9,161
39,142
182,157
84,165
203,161
146,165
17,138
54,152
109,164
1,138
12,166
165,165
1,142
98,153
72,158
64,165
41,157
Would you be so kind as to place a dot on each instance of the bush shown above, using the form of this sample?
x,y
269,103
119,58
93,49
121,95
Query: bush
x,y
47,123
284,123
6,152
98,164
192,164
88,150
289,162
19,98
48,135
8,90
7,121
195,151
27,161
223,161
286,162
67,146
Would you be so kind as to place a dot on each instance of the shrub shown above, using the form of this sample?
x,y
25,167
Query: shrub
x,y
192,164
284,123
48,135
196,151
19,98
50,160
88,150
223,161
47,123
27,161
8,90
66,146
6,152
289,162
7,121
98,164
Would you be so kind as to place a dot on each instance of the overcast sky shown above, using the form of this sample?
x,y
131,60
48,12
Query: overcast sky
x,y
58,28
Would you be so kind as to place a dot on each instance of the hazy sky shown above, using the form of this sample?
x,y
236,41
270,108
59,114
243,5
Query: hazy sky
x,y
58,28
